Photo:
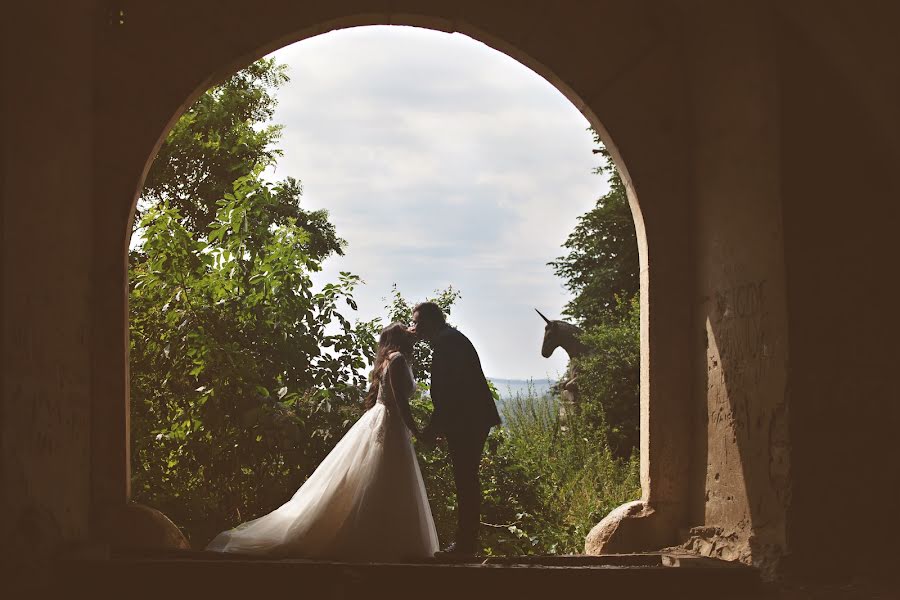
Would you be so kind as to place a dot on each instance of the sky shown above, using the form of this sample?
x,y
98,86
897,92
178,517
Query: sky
x,y
442,162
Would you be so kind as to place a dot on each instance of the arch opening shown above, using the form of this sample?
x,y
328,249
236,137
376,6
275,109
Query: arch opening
x,y
110,490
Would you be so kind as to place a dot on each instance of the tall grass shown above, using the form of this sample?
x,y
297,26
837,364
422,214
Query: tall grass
x,y
559,471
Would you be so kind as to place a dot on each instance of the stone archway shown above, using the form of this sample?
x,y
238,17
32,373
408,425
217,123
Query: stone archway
x,y
627,81
723,113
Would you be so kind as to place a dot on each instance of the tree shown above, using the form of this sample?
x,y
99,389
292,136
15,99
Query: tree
x,y
609,378
602,262
601,270
221,137
242,377
238,389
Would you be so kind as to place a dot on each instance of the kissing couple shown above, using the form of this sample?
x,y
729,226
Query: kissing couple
x,y
366,501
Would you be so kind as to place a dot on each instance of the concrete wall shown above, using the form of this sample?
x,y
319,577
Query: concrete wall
x,y
47,188
740,307
841,203
757,143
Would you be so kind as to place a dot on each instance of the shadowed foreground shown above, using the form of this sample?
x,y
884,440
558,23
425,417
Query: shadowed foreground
x,y
207,575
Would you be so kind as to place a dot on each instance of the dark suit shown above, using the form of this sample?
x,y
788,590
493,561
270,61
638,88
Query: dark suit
x,y
464,412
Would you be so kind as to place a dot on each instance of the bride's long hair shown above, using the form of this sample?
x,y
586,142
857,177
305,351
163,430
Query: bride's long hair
x,y
394,338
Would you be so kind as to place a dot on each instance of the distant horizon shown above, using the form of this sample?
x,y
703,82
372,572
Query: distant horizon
x,y
511,389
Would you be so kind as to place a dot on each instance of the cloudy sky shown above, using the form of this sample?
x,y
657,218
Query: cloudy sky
x,y
442,162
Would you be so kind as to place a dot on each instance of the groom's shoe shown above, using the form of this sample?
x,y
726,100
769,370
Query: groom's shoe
x,y
455,551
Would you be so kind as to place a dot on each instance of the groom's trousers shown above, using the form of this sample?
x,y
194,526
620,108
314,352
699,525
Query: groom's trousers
x,y
465,454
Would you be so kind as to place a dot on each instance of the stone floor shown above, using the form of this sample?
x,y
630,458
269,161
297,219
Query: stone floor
x,y
97,572
211,575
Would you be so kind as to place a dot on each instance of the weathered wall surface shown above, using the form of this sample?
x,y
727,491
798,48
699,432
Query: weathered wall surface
x,y
46,264
759,142
741,450
796,138
841,198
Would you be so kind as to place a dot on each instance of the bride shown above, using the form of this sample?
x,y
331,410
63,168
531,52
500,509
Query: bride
x,y
366,500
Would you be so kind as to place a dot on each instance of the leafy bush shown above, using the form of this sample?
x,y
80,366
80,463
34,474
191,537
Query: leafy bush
x,y
601,270
609,377
601,265
544,485
242,378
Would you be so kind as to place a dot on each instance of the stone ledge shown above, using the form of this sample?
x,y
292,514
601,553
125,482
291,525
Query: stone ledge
x,y
198,574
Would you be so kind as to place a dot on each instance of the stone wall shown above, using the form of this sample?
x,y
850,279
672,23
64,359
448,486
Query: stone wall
x,y
741,348
841,204
47,188
757,142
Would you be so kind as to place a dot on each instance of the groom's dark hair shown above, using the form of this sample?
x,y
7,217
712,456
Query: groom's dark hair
x,y
430,311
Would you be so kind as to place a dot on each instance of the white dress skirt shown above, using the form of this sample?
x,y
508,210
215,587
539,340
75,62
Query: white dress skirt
x,y
365,502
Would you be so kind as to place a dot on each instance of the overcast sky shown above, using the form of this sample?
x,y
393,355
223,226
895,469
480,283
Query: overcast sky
x,y
442,162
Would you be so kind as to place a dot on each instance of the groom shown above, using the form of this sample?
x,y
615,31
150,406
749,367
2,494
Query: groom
x,y
464,412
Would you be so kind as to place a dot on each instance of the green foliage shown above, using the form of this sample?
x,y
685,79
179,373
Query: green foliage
x,y
602,262
242,377
214,142
220,138
237,380
544,485
573,479
601,270
609,377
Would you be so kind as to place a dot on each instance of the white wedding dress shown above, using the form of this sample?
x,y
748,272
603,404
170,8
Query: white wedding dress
x,y
365,502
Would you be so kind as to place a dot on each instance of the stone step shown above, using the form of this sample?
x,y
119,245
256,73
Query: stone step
x,y
214,575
